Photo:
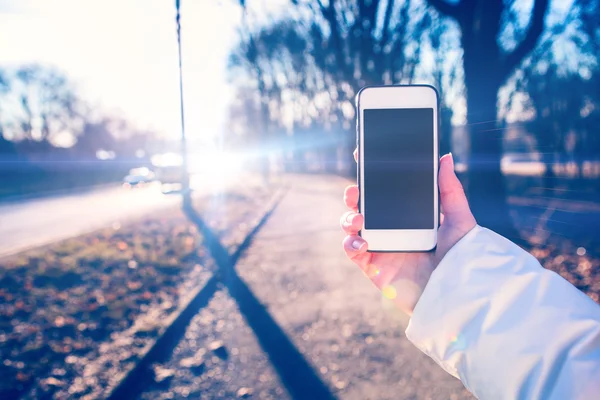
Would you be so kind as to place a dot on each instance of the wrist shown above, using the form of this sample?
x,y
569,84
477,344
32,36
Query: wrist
x,y
409,290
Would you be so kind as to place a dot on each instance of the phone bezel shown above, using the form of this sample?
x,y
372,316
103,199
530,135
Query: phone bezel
x,y
399,96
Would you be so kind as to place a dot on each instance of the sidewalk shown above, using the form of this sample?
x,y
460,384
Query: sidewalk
x,y
354,339
297,271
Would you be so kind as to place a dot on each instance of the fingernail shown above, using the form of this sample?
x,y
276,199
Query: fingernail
x,y
357,244
349,218
451,157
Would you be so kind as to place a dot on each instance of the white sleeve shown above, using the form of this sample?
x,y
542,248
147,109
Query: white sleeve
x,y
506,327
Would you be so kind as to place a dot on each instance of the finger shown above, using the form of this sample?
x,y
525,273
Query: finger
x,y
351,222
452,195
356,154
356,250
351,197
441,218
354,245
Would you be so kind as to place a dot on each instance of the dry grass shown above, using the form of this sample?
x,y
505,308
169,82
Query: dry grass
x,y
60,304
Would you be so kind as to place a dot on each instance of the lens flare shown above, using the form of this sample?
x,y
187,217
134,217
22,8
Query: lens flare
x,y
389,292
372,271
458,342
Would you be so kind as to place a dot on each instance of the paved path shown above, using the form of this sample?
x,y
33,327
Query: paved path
x,y
354,338
296,271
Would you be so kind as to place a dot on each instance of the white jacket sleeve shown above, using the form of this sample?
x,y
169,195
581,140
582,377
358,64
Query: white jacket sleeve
x,y
506,327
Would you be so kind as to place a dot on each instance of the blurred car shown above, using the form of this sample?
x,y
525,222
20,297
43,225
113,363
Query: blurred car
x,y
169,171
138,176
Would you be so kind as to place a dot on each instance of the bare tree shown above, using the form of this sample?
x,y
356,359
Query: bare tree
x,y
4,90
47,104
94,136
562,88
307,68
445,76
590,24
547,89
487,65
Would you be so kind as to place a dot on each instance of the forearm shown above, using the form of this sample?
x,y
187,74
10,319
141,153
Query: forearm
x,y
508,328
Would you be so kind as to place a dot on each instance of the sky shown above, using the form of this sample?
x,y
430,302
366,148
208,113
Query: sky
x,y
122,55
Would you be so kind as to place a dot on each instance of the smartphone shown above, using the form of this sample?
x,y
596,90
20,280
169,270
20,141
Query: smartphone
x,y
397,138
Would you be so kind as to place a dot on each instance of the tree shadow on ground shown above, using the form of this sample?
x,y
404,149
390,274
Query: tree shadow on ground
x,y
297,375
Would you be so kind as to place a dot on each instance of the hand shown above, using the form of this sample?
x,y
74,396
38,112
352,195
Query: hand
x,y
402,276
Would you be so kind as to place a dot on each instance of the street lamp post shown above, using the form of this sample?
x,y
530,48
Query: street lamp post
x,y
185,179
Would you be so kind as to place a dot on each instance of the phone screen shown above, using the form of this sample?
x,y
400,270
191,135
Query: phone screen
x,y
398,168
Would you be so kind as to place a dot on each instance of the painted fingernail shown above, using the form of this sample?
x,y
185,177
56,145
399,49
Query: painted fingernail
x,y
357,244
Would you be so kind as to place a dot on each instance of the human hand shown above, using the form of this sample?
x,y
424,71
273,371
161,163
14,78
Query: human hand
x,y
402,276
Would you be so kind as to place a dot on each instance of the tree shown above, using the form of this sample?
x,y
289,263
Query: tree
x,y
4,89
558,102
308,67
116,134
261,56
590,21
94,136
560,84
590,24
45,104
5,145
445,74
487,65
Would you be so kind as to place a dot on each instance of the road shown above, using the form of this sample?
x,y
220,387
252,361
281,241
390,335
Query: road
x,y
36,222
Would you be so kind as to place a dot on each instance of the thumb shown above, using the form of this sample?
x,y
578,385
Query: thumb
x,y
452,195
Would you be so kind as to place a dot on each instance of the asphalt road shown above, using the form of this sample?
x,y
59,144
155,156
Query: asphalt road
x,y
36,222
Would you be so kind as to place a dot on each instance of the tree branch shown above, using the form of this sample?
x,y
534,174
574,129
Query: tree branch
x,y
386,22
446,9
336,41
322,6
536,27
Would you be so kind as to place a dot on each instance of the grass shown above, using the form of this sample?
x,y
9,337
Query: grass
x,y
68,298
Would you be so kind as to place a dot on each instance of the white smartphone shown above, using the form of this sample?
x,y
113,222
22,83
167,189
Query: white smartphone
x,y
397,138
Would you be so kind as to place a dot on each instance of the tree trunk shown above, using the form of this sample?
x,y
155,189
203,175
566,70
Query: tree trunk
x,y
485,70
297,162
548,179
446,130
486,186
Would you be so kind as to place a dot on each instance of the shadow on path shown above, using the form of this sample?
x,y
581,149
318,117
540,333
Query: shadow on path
x,y
297,375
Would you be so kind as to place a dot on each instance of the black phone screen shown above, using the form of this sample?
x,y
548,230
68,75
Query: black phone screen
x,y
398,166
